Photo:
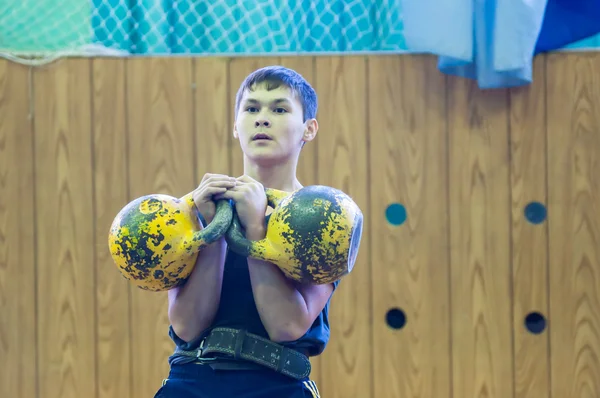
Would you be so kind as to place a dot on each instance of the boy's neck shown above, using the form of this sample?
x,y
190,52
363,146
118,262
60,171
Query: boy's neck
x,y
279,176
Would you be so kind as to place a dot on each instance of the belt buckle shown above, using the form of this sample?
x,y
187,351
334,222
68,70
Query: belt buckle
x,y
199,353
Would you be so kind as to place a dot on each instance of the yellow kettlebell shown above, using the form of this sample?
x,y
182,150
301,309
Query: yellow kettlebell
x,y
313,234
155,239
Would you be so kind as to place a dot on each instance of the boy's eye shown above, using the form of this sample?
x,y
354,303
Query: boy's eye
x,y
251,109
280,110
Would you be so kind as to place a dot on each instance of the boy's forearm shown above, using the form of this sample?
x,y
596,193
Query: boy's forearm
x,y
282,308
193,306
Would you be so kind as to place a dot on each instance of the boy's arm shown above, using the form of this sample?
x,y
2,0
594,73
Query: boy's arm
x,y
287,309
192,307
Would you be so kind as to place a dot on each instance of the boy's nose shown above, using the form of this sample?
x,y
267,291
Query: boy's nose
x,y
262,123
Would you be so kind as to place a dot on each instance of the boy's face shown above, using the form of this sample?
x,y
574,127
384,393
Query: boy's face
x,y
269,124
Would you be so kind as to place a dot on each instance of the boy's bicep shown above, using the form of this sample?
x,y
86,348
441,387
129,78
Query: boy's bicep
x,y
316,297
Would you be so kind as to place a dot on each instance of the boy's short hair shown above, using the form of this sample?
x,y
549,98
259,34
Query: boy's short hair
x,y
275,76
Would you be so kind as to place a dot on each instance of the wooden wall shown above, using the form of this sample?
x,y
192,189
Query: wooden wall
x,y
79,138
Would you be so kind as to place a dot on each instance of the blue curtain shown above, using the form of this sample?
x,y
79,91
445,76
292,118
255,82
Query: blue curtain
x,y
229,26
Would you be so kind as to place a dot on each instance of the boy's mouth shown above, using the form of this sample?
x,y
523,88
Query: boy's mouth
x,y
261,136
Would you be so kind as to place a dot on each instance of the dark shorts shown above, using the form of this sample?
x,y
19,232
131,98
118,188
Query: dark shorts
x,y
201,381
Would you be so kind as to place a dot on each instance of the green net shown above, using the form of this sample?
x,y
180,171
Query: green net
x,y
46,28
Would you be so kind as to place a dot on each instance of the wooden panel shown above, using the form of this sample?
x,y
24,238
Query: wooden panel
x,y
573,101
18,377
342,86
407,113
65,230
110,195
160,160
480,241
212,125
156,125
529,241
239,68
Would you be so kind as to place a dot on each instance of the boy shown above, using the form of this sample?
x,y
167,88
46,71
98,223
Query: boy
x,y
255,328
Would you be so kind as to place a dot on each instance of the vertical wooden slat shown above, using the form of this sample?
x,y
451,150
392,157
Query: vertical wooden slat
x,y
211,115
410,265
110,195
18,327
529,241
160,160
573,101
65,229
346,364
239,68
480,241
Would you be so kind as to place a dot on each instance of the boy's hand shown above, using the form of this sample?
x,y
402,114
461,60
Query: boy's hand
x,y
211,185
250,205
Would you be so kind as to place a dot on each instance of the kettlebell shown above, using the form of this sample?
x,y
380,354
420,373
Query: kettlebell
x,y
155,239
313,234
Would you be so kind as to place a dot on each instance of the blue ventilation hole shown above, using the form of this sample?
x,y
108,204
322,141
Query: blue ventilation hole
x,y
535,322
535,212
395,318
395,214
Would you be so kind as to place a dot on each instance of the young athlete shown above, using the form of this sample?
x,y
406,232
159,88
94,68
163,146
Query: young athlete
x,y
241,328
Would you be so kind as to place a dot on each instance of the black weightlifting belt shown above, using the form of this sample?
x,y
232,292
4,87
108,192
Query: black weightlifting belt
x,y
223,344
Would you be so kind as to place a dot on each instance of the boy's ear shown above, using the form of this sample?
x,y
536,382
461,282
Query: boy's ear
x,y
312,127
235,132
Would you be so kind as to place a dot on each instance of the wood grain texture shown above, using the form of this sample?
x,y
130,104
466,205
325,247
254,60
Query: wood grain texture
x,y
18,328
65,230
211,117
79,138
160,160
480,208
529,241
341,83
239,68
573,101
410,266
113,343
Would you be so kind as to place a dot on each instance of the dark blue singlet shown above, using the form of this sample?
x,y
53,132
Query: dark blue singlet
x,y
237,309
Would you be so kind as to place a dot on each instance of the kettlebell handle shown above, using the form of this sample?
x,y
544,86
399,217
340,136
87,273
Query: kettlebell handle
x,y
275,196
235,235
